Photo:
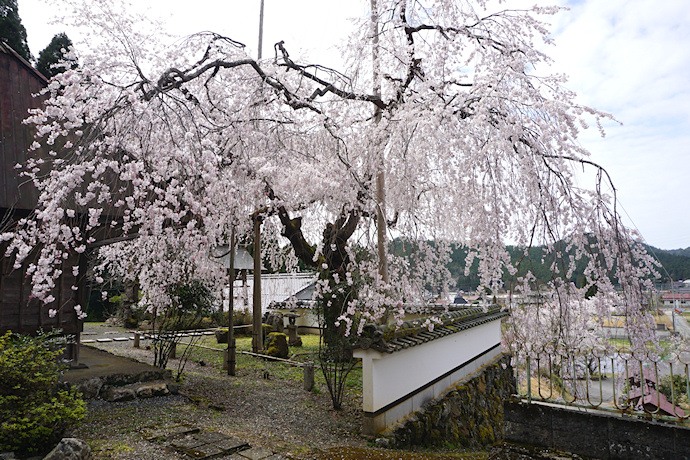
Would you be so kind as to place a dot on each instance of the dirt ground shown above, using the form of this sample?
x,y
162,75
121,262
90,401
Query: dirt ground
x,y
274,413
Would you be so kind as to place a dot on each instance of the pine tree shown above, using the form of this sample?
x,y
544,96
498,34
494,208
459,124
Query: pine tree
x,y
11,29
54,53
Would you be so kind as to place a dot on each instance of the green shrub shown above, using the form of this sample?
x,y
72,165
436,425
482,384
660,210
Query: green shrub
x,y
679,385
219,319
34,414
191,302
242,317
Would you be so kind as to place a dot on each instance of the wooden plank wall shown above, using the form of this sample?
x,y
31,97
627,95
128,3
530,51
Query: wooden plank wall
x,y
19,311
18,83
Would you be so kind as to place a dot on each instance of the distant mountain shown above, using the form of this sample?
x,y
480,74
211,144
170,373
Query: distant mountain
x,y
678,252
676,264
675,261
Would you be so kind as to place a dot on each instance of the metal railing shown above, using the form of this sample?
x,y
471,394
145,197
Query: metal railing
x,y
637,383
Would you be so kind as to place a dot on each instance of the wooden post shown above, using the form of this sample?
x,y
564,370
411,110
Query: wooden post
x,y
82,296
230,354
308,372
257,332
137,337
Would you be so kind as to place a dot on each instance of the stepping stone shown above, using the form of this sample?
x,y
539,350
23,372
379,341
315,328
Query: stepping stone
x,y
121,339
203,451
256,453
211,437
231,445
87,341
104,340
186,443
175,431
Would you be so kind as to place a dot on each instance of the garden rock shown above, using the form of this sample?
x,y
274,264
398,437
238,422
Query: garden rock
x,y
174,388
275,320
222,336
276,345
90,388
152,389
115,394
70,449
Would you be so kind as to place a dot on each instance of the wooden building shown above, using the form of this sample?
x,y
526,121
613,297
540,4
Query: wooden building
x,y
19,311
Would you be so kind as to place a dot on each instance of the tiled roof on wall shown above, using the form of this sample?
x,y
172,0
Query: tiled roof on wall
x,y
389,339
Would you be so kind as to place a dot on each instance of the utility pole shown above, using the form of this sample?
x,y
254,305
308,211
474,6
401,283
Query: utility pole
x,y
380,176
257,328
261,28
257,331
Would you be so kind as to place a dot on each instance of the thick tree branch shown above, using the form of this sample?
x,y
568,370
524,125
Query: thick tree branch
x,y
327,87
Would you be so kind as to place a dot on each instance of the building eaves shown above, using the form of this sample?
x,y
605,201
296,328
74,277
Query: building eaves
x,y
7,49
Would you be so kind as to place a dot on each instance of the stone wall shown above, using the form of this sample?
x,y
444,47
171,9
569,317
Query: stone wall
x,y
470,414
594,433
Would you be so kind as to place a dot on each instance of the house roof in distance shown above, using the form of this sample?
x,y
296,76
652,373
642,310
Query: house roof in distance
x,y
243,260
676,296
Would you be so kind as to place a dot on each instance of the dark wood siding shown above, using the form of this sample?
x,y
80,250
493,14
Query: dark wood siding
x,y
18,83
19,311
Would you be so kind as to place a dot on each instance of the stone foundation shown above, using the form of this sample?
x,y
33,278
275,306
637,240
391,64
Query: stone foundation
x,y
468,415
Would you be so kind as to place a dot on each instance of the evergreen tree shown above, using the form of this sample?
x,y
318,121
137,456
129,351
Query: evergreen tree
x,y
54,53
11,29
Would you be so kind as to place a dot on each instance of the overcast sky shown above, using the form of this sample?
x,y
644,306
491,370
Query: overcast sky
x,y
627,57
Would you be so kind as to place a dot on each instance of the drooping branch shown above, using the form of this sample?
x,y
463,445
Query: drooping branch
x,y
326,87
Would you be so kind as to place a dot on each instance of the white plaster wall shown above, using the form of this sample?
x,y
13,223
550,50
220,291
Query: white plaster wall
x,y
388,377
307,318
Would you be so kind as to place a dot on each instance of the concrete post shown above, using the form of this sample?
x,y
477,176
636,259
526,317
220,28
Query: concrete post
x,y
137,337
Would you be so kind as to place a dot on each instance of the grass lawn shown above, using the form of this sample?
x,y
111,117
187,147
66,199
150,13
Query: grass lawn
x,y
247,364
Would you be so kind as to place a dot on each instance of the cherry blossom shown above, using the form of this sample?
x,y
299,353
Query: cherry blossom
x,y
164,147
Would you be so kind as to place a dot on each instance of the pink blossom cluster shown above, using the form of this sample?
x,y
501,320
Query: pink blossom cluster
x,y
164,149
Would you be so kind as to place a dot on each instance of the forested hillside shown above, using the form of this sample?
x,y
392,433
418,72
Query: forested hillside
x,y
678,252
675,262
